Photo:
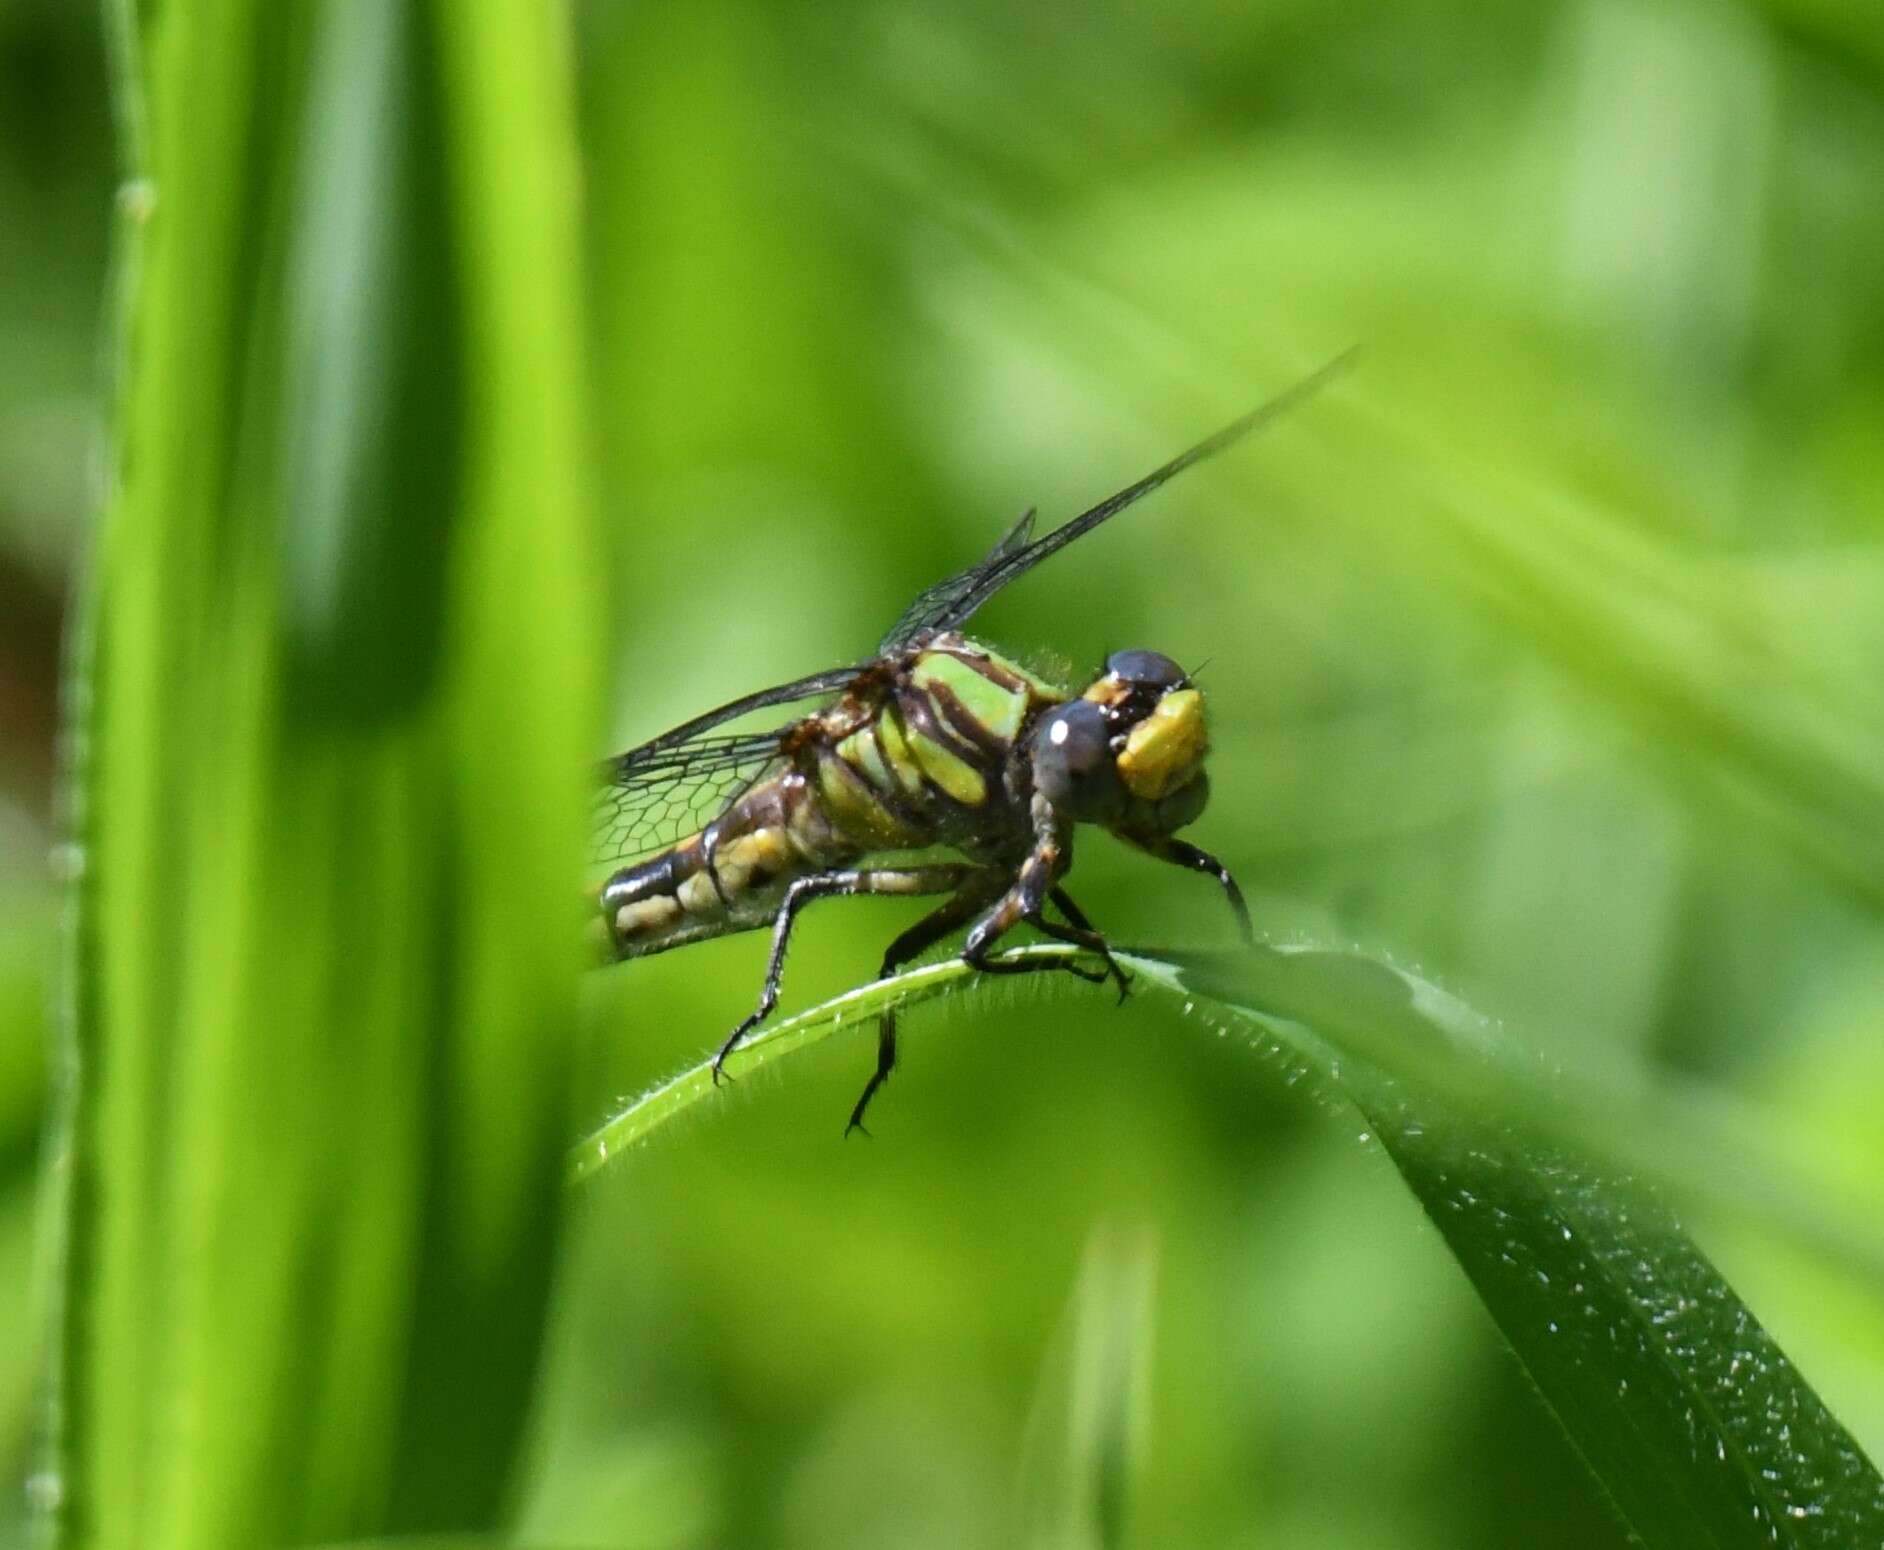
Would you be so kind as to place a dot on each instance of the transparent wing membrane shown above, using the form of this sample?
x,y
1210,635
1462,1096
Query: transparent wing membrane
x,y
665,789
936,603
949,604
667,795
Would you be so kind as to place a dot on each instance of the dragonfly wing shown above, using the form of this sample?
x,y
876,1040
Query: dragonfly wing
x,y
667,788
676,792
949,604
936,603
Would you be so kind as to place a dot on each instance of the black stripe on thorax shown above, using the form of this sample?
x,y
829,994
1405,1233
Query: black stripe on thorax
x,y
964,724
920,717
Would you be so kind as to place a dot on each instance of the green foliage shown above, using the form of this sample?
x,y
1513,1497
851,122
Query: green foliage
x,y
1543,653
1085,1433
332,716
1691,1419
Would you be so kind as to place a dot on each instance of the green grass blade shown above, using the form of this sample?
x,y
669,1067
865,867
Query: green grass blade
x,y
342,689
1688,1414
661,1105
1084,1435
1691,1419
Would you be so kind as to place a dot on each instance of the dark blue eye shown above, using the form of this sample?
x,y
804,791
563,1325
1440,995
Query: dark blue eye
x,y
1073,762
1145,670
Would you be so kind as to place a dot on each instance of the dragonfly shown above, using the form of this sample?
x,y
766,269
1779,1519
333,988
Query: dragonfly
x,y
936,743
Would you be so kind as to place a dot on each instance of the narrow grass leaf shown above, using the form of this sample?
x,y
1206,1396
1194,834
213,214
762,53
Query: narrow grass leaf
x,y
1689,1416
341,690
1691,1419
1088,1420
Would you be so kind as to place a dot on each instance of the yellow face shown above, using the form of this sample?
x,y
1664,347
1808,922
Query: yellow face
x,y
1166,749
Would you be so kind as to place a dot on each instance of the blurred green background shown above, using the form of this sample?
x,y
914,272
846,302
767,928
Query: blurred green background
x,y
1546,653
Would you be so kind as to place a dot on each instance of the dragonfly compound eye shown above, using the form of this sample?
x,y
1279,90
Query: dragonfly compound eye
x,y
1073,762
1145,670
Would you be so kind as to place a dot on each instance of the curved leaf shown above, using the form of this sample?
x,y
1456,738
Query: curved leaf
x,y
1692,1420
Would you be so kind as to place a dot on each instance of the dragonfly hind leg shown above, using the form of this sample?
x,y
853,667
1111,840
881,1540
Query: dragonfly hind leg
x,y
880,880
978,888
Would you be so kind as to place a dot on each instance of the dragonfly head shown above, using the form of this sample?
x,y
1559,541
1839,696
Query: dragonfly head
x,y
1129,752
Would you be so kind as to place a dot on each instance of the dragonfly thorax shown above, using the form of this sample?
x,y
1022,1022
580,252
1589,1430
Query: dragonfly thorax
x,y
1129,752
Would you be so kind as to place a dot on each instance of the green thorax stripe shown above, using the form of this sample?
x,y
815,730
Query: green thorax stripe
x,y
996,694
939,762
859,796
894,743
972,707
950,740
904,763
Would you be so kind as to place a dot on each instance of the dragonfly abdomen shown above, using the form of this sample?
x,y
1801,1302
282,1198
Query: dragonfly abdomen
x,y
727,877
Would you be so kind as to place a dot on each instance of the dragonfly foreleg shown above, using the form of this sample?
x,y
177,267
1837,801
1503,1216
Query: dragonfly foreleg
x,y
1084,934
1178,853
979,887
881,880
1026,900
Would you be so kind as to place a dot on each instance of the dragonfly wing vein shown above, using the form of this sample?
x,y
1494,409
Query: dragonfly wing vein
x,y
950,603
652,801
673,785
936,603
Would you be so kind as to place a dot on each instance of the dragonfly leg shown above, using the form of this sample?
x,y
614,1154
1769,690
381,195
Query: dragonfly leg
x,y
1014,906
1178,853
882,880
1083,934
1077,970
978,888
1026,900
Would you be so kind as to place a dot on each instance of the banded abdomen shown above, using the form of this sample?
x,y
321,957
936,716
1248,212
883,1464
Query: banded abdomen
x,y
918,752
